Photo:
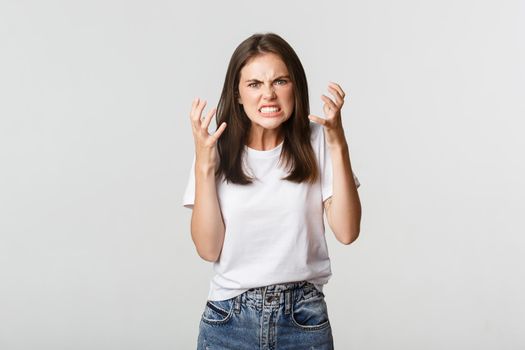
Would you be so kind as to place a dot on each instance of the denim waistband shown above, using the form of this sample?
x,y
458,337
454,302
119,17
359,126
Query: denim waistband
x,y
273,295
276,288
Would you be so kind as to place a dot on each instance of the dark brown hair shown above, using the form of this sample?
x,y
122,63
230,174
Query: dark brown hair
x,y
297,153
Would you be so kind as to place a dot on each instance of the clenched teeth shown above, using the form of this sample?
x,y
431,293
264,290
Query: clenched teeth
x,y
269,109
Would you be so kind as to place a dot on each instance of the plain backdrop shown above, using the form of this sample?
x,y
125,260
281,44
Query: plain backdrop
x,y
96,148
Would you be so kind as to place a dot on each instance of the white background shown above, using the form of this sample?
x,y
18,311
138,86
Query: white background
x,y
96,147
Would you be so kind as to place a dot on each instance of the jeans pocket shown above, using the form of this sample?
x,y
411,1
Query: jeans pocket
x,y
310,313
218,312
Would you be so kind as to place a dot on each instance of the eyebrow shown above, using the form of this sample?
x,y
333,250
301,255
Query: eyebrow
x,y
279,77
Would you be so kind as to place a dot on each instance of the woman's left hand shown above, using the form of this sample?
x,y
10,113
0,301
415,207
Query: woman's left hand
x,y
332,124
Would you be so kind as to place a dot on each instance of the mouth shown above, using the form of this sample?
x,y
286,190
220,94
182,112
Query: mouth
x,y
270,111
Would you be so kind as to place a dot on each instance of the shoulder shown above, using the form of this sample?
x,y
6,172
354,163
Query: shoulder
x,y
316,136
315,131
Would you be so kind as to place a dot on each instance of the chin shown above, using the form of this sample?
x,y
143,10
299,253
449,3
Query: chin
x,y
270,123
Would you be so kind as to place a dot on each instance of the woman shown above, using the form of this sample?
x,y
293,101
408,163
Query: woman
x,y
257,187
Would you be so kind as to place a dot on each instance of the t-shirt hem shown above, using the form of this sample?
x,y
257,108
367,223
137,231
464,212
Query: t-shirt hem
x,y
235,292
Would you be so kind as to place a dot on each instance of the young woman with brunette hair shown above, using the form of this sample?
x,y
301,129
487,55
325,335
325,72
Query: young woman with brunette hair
x,y
258,187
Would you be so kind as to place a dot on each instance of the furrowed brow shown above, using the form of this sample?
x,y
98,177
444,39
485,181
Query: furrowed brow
x,y
258,81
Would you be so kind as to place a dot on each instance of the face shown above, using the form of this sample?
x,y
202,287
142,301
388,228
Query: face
x,y
264,81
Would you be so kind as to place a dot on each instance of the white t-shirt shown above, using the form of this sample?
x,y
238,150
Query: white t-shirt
x,y
274,229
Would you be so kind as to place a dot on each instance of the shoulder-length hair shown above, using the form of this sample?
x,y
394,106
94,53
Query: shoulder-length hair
x,y
297,153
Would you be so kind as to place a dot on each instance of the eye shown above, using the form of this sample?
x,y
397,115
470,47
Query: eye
x,y
250,85
283,81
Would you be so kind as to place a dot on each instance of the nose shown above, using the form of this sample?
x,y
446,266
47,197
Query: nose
x,y
269,91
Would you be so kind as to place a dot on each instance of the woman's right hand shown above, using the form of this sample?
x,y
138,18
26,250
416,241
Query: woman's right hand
x,y
205,144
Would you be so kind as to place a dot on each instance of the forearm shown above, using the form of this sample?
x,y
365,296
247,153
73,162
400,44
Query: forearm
x,y
345,207
207,226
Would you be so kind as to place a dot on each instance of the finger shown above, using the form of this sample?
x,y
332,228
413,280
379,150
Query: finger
x,y
193,107
198,110
219,131
329,102
326,109
317,119
338,88
337,95
206,121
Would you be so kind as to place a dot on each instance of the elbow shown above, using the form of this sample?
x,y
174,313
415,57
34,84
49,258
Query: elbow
x,y
347,230
349,239
208,257
208,252
208,245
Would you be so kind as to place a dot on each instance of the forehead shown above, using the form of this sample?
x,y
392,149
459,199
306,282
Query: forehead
x,y
266,65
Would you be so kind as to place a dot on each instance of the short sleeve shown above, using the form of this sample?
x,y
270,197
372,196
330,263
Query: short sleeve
x,y
189,193
325,163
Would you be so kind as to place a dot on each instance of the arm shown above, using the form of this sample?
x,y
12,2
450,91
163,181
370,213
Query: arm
x,y
207,226
343,208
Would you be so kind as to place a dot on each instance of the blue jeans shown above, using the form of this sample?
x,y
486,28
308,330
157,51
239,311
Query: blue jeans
x,y
275,317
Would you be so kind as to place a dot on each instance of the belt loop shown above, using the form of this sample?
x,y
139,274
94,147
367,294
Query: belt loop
x,y
237,304
287,301
264,294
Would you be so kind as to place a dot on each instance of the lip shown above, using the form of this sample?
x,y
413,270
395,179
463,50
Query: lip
x,y
270,106
271,115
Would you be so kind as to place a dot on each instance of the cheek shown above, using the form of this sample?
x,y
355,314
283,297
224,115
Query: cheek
x,y
288,93
249,98
290,98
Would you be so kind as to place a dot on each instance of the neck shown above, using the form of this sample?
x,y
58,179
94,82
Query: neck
x,y
264,139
